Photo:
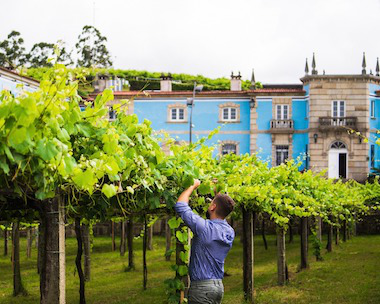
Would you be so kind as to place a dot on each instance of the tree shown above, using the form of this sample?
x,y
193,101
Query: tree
x,y
39,55
91,48
12,51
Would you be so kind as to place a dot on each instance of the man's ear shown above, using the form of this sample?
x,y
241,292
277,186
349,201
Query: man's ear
x,y
213,206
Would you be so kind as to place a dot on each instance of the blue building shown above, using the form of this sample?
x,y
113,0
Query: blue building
x,y
15,83
311,121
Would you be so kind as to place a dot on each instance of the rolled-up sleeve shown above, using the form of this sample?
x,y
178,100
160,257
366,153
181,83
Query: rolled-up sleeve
x,y
196,223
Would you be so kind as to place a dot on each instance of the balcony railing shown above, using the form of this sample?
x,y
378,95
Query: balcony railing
x,y
337,122
281,126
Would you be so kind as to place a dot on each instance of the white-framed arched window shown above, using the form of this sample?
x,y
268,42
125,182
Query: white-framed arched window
x,y
177,113
229,112
338,145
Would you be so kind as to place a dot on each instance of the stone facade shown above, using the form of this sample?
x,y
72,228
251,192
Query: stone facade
x,y
354,91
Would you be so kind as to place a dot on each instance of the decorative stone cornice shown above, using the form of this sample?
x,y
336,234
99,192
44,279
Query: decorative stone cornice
x,y
337,78
177,105
229,105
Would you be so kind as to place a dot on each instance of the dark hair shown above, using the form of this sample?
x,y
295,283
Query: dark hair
x,y
224,205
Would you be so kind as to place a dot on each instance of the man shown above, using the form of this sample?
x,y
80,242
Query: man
x,y
212,241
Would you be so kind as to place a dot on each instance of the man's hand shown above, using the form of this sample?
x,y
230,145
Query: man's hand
x,y
197,182
184,197
215,182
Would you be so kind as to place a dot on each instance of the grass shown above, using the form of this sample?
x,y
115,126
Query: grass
x,y
347,275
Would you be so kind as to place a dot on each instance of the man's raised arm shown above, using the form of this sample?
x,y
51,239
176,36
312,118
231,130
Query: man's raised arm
x,y
192,220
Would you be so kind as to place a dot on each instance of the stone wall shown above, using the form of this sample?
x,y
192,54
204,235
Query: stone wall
x,y
355,92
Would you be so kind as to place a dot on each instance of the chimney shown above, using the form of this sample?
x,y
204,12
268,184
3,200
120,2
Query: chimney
x,y
235,82
166,83
100,82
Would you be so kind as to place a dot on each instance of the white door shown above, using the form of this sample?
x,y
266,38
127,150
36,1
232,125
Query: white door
x,y
334,168
334,163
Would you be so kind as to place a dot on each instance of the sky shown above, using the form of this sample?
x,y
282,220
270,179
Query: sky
x,y
211,37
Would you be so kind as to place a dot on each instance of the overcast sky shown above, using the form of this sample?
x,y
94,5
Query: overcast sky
x,y
212,37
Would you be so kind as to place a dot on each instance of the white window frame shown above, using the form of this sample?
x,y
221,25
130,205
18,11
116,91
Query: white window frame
x,y
176,107
177,116
229,114
339,103
372,109
280,115
281,149
229,106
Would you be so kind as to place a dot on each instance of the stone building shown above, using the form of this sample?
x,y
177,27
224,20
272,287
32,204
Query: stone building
x,y
311,121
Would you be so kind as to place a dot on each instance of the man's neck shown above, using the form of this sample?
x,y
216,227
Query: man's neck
x,y
215,217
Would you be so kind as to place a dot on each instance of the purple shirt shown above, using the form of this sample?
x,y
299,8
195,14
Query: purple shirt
x,y
211,242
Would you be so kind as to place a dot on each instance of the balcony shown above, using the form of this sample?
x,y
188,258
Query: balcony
x,y
333,123
281,126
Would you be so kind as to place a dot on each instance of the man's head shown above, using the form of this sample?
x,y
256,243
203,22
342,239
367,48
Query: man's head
x,y
220,207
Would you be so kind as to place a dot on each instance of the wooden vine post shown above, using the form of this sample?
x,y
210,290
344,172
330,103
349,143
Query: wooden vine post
x,y
52,272
18,288
291,236
319,228
5,241
122,238
78,261
131,263
304,243
168,238
345,231
145,245
181,264
337,235
85,228
113,235
281,257
248,254
263,233
329,238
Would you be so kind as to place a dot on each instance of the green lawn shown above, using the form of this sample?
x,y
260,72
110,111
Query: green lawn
x,y
348,275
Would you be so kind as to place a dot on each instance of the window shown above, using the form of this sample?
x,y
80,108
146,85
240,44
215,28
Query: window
x,y
229,148
338,112
282,112
307,157
372,108
338,108
177,114
282,154
338,145
112,113
229,114
372,156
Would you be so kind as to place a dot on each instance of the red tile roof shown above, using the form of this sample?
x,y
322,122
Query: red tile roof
x,y
207,93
